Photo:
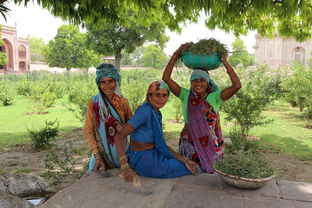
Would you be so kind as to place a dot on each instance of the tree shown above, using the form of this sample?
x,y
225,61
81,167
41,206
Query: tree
x,y
126,59
154,57
68,49
37,46
240,55
289,18
109,38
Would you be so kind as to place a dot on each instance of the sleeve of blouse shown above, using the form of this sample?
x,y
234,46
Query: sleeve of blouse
x,y
140,117
128,111
89,129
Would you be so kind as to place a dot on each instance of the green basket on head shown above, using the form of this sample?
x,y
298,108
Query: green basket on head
x,y
207,61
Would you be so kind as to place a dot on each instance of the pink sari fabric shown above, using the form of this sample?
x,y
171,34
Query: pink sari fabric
x,y
205,130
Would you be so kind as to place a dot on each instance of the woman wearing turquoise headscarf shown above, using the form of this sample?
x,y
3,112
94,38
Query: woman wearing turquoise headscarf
x,y
107,112
148,154
201,139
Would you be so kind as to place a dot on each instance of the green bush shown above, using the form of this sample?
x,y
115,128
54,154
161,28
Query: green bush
x,y
41,138
298,89
40,99
6,96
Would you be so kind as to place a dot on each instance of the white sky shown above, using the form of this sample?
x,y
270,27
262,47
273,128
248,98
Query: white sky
x,y
35,21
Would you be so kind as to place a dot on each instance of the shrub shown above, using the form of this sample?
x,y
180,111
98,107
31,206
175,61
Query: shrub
x,y
41,138
6,96
298,89
59,166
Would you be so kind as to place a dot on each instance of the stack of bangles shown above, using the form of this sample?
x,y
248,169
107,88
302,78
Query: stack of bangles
x,y
126,165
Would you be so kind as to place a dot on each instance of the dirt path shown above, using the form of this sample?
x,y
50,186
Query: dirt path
x,y
22,160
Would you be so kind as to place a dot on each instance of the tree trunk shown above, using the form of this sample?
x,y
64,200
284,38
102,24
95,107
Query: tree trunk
x,y
68,69
117,60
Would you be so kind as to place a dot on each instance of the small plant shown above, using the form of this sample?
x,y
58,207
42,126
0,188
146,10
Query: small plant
x,y
41,138
206,46
59,166
5,97
245,164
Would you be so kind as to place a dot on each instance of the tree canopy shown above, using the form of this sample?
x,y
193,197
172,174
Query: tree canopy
x,y
108,38
290,18
68,49
36,46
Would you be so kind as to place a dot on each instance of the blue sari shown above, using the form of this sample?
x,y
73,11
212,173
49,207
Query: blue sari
x,y
158,162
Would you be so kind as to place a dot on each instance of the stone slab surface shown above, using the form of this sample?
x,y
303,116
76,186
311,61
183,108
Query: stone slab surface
x,y
200,191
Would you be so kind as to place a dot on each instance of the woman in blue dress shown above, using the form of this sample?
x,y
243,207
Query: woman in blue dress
x,y
148,154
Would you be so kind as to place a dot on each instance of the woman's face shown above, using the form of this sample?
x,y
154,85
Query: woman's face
x,y
108,85
159,98
199,86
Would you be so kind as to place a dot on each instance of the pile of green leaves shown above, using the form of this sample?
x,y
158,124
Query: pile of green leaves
x,y
206,46
245,164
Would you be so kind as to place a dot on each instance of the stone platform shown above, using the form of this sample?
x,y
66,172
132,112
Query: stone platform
x,y
201,191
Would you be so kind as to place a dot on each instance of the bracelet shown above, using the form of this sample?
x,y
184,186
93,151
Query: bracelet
x,y
124,166
123,157
186,159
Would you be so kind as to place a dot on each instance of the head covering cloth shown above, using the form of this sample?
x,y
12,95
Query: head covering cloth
x,y
108,70
198,74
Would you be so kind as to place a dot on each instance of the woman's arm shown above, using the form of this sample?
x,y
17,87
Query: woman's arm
x,y
173,86
126,172
190,164
89,130
236,84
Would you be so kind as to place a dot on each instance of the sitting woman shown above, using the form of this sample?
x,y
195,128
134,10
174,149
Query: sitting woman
x,y
148,154
107,112
201,138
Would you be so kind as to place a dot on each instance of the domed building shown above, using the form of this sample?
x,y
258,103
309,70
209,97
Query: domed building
x,y
16,49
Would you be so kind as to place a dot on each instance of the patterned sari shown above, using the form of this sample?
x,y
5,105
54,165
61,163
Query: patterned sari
x,y
105,121
201,140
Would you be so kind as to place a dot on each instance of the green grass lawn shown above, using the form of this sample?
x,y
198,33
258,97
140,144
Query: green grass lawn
x,y
285,134
15,121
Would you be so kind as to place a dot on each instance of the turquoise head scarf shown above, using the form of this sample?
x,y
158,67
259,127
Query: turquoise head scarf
x,y
107,70
198,74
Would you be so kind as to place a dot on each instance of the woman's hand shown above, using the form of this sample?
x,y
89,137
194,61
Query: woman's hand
x,y
127,174
178,53
99,165
192,166
224,57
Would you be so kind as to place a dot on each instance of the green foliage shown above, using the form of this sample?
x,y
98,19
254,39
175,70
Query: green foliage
x,y
41,138
36,46
246,164
3,57
154,57
289,18
68,49
108,38
177,109
40,98
126,59
59,166
298,88
135,84
206,46
6,96
260,87
79,95
241,55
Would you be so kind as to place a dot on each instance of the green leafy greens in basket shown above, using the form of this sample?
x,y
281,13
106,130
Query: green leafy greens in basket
x,y
247,165
206,46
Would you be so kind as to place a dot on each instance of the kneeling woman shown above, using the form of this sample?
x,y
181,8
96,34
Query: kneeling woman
x,y
148,154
